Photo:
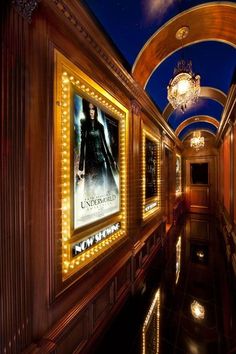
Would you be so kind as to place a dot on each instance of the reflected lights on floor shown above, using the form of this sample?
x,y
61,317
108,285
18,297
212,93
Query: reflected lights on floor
x,y
151,327
197,310
178,259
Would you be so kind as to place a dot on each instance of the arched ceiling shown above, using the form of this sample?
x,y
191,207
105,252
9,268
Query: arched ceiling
x,y
145,34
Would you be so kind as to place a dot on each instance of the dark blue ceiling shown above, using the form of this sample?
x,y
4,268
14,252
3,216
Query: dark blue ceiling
x,y
130,23
204,107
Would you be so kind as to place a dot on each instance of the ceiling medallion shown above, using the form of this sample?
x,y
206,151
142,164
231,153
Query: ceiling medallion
x,y
182,33
184,87
197,141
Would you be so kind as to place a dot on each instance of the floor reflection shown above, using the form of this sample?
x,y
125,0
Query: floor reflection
x,y
187,303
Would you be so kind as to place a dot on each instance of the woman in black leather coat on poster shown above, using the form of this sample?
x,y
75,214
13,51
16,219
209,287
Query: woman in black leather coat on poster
x,y
96,161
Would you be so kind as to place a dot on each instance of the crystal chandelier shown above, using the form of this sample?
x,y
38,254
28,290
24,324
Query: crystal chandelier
x,y
197,141
184,87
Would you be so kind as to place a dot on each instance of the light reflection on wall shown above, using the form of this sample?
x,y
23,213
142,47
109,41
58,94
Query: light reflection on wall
x,y
178,259
151,327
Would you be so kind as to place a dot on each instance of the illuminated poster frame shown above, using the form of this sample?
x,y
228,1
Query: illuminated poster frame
x,y
90,216
151,197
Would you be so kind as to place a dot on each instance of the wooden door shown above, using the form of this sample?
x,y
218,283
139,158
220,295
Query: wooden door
x,y
200,185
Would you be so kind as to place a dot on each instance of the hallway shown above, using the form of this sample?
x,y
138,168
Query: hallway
x,y
191,269
113,128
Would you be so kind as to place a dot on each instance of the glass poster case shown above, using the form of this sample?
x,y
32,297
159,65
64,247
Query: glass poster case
x,y
90,162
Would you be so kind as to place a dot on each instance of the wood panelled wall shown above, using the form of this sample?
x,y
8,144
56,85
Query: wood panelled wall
x,y
227,181
15,290
33,318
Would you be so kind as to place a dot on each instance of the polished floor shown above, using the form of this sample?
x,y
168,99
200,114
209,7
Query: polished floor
x,y
188,301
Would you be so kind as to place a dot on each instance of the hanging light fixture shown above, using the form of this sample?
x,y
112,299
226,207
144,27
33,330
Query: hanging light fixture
x,y
197,141
184,87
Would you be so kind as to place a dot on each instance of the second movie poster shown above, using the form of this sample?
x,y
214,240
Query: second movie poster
x,y
96,163
151,168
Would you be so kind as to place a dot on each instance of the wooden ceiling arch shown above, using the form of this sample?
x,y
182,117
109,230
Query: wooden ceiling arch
x,y
196,119
204,132
212,21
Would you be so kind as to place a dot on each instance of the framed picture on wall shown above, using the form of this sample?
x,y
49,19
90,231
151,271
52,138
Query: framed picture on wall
x,y
151,151
90,150
151,173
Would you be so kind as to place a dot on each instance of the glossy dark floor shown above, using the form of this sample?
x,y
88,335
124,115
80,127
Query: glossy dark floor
x,y
188,300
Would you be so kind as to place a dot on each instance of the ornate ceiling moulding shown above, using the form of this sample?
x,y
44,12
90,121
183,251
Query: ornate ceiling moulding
x,y
196,119
206,92
164,42
25,8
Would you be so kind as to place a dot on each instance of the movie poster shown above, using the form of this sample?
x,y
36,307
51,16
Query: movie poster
x,y
96,163
151,168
